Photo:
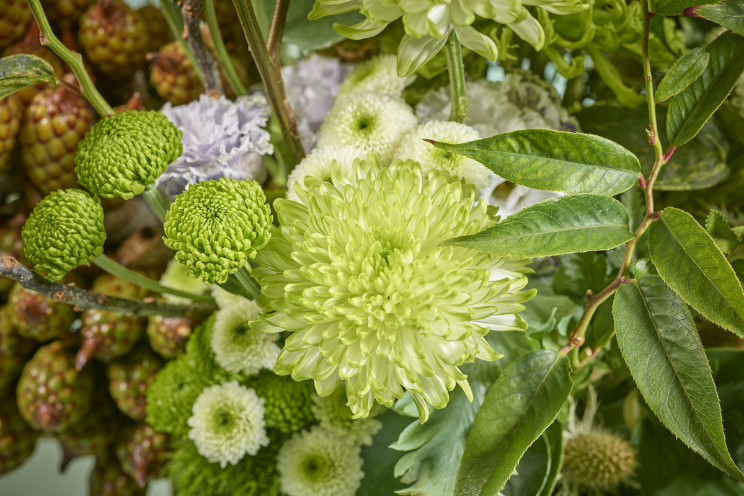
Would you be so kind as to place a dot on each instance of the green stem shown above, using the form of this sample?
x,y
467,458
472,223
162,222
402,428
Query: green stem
x,y
74,60
248,282
456,68
118,270
272,79
592,302
174,19
157,200
219,46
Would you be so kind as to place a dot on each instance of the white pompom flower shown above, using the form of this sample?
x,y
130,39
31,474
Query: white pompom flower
x,y
238,348
377,74
413,147
320,163
319,463
176,276
225,298
374,123
334,415
227,423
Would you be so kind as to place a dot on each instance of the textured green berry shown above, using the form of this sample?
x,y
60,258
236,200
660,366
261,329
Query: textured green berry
x,y
287,403
216,226
37,317
597,459
64,230
126,152
52,395
129,377
109,479
14,350
17,438
168,335
142,452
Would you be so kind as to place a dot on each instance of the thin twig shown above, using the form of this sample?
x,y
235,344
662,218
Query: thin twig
x,y
576,338
192,12
174,19
219,46
12,269
276,31
272,79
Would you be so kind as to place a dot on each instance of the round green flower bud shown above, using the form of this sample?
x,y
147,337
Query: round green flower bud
x,y
216,226
597,459
64,230
171,396
287,403
126,152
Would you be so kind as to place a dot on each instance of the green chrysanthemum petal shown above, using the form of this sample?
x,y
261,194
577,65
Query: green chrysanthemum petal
x,y
216,226
64,230
126,152
287,403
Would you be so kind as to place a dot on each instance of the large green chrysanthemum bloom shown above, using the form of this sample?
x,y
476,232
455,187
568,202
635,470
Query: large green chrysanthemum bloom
x,y
64,230
216,226
287,403
126,152
428,23
359,275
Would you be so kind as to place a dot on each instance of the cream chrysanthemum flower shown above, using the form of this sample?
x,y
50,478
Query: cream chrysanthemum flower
x,y
374,123
227,423
377,74
320,163
225,298
413,147
177,276
359,275
237,347
334,415
319,463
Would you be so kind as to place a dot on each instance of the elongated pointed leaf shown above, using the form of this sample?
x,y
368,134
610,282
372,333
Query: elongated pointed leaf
x,y
565,224
675,7
691,109
520,405
19,71
554,436
685,70
555,161
689,261
661,346
729,14
533,471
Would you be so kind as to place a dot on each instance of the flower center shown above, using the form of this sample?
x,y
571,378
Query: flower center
x,y
317,468
241,334
364,124
444,158
223,420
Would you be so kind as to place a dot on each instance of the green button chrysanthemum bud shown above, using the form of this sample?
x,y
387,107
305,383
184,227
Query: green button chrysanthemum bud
x,y
64,230
216,226
597,459
126,152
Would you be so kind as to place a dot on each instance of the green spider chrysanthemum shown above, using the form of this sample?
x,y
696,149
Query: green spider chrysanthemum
x,y
333,415
319,463
126,152
286,402
216,226
359,275
64,230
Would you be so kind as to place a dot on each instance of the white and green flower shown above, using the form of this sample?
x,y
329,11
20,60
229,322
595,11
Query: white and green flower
x,y
319,463
334,415
428,23
237,347
324,163
176,276
432,158
377,74
227,423
373,123
359,274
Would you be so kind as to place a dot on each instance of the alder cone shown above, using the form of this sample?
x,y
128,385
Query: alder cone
x,y
11,113
14,350
168,335
17,438
114,38
108,478
142,452
53,125
129,377
64,13
158,33
11,245
51,394
173,76
15,16
37,317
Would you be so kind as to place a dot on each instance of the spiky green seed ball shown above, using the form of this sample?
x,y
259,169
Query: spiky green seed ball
x,y
216,226
287,403
126,152
598,459
64,230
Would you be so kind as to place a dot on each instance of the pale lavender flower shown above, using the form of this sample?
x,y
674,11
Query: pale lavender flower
x,y
221,138
312,86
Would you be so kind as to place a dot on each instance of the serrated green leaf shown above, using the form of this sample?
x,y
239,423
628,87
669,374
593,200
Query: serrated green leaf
x,y
522,403
689,261
565,224
691,108
555,161
579,272
19,71
663,351
554,436
729,14
725,237
379,459
681,75
435,448
533,471
675,7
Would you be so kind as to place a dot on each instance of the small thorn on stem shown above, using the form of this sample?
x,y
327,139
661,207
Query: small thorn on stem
x,y
430,141
657,215
690,11
669,154
642,182
651,135
589,295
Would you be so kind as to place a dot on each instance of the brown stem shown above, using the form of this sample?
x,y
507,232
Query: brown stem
x,y
276,31
13,269
192,13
